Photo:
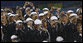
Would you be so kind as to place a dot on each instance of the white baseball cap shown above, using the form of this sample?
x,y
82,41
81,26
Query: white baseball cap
x,y
46,12
13,36
33,13
45,9
53,18
59,39
77,10
18,21
70,11
41,14
11,15
28,19
73,15
37,21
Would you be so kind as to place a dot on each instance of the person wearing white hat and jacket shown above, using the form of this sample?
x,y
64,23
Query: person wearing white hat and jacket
x,y
52,28
29,27
20,30
41,33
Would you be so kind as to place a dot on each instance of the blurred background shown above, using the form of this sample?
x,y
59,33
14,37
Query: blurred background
x,y
64,5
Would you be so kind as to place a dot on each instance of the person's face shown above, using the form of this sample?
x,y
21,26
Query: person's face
x,y
80,10
3,19
19,12
48,15
80,17
12,18
31,4
62,12
29,23
44,17
79,26
34,16
4,12
20,25
41,17
16,18
44,23
26,3
53,22
37,9
28,11
64,18
74,19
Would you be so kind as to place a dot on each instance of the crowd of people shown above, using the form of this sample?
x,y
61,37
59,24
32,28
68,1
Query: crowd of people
x,y
28,24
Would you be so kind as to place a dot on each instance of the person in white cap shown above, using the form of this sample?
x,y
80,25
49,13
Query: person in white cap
x,y
14,38
34,15
19,24
78,34
62,27
19,12
79,11
29,23
73,18
11,24
45,9
53,20
68,26
69,12
43,35
28,12
59,39
29,27
18,21
52,28
20,30
41,16
4,30
47,16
